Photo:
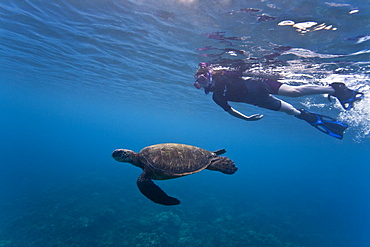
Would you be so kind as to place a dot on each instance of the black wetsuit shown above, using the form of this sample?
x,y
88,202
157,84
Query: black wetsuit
x,y
256,91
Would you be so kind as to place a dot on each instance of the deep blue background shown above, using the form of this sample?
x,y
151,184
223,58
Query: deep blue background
x,y
79,80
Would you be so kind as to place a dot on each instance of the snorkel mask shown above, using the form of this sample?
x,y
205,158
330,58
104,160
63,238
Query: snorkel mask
x,y
204,79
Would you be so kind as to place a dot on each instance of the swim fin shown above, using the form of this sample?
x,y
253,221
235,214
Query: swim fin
x,y
325,124
345,95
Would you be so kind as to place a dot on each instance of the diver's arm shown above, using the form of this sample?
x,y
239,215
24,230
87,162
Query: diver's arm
x,y
237,114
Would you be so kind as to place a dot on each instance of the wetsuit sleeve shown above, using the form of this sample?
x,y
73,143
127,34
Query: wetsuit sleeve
x,y
221,101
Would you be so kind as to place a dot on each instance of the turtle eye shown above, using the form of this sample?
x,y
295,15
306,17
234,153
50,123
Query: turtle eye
x,y
123,154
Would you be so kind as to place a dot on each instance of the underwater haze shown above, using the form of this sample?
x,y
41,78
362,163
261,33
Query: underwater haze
x,y
79,79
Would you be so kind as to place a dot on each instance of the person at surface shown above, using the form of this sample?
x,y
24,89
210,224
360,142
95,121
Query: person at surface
x,y
231,86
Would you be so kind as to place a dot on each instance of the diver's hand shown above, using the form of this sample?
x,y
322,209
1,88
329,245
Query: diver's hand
x,y
254,117
240,115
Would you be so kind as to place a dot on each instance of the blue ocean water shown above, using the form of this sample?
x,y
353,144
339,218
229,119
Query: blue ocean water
x,y
82,78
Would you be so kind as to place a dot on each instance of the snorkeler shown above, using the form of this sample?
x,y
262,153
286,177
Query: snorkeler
x,y
231,86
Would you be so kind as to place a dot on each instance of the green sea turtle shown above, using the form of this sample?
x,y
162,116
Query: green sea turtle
x,y
171,160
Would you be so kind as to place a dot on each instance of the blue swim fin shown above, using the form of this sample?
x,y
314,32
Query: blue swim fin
x,y
345,95
325,124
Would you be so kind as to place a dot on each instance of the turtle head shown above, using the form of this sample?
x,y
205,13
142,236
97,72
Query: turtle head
x,y
124,155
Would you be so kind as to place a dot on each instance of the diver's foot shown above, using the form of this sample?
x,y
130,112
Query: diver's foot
x,y
307,116
325,124
345,95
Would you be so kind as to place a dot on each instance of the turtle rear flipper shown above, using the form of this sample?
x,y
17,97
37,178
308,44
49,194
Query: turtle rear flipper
x,y
223,164
149,189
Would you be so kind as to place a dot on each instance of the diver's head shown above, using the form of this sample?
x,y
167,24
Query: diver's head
x,y
203,76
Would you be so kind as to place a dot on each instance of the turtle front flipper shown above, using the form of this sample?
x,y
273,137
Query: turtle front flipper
x,y
149,189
